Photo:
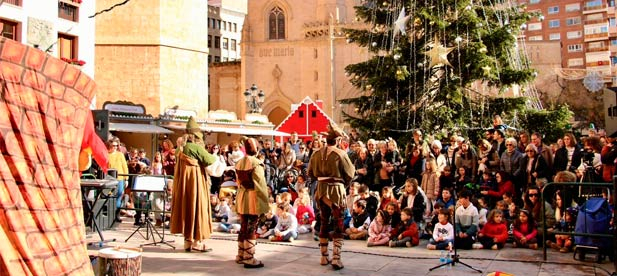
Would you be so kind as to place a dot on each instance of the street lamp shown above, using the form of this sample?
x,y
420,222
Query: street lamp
x,y
254,99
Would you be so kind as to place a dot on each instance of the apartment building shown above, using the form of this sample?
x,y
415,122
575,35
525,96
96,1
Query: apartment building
x,y
61,28
586,30
225,22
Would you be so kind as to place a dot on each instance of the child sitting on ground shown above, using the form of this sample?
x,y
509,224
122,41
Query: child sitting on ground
x,y
231,223
494,234
466,221
285,198
360,221
443,232
266,225
224,211
446,198
379,230
304,212
392,216
386,197
431,224
372,203
406,234
349,200
482,212
564,242
525,231
287,227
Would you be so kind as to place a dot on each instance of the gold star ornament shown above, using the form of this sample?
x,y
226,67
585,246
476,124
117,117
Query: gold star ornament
x,y
438,54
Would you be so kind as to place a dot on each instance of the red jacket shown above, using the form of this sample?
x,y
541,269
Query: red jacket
x,y
408,229
502,189
494,230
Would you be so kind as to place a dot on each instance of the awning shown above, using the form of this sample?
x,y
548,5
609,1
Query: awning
x,y
236,130
137,128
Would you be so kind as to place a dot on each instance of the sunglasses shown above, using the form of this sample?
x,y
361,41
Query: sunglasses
x,y
530,151
507,145
533,195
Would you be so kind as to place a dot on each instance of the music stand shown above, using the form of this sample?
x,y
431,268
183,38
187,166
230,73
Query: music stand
x,y
455,258
151,184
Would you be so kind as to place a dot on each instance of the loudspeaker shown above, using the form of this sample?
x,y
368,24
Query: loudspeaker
x,y
101,123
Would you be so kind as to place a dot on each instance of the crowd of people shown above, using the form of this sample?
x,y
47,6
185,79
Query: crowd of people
x,y
455,192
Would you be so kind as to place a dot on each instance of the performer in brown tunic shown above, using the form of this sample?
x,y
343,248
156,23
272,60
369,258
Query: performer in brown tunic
x,y
251,202
333,170
191,214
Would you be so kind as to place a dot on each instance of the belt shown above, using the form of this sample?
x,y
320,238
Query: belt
x,y
330,180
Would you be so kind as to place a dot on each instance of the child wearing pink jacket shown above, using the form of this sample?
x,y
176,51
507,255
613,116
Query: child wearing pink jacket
x,y
378,231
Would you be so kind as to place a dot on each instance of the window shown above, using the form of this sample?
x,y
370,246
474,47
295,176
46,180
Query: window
x,y
553,23
554,36
209,41
224,26
573,7
276,24
611,22
225,43
613,60
209,58
67,46
233,45
301,114
10,29
217,59
314,114
573,21
224,59
235,27
575,48
575,62
218,22
534,1
229,26
553,10
535,38
574,34
534,26
596,30
68,11
613,42
217,42
595,3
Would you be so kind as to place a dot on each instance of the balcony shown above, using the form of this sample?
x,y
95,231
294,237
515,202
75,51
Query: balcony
x,y
596,21
595,9
68,11
597,49
598,63
596,37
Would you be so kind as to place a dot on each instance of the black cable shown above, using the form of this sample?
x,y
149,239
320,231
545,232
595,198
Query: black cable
x,y
109,9
424,258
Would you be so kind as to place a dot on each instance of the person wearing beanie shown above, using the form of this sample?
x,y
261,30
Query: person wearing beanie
x,y
251,202
192,214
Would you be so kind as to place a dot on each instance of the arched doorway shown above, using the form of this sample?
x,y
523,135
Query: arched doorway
x,y
277,115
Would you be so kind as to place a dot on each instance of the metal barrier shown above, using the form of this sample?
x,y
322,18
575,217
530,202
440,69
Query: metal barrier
x,y
581,195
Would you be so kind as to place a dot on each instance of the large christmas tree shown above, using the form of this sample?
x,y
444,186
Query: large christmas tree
x,y
437,65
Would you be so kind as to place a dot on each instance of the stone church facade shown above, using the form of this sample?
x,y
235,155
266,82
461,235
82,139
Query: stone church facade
x,y
294,49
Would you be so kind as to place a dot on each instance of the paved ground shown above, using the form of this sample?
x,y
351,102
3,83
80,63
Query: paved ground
x,y
302,258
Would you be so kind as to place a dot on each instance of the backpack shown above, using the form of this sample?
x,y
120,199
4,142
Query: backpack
x,y
594,217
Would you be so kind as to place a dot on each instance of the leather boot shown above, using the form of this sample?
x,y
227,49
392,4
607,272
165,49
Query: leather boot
x,y
323,247
240,256
249,251
336,253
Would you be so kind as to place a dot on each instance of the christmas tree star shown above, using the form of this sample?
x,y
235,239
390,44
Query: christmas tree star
x,y
401,22
438,54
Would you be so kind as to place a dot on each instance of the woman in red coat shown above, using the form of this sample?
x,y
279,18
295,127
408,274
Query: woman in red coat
x,y
503,185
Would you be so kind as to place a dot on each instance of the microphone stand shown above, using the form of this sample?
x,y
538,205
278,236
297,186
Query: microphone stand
x,y
455,258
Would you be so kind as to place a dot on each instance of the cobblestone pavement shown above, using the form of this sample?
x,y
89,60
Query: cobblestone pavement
x,y
302,258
